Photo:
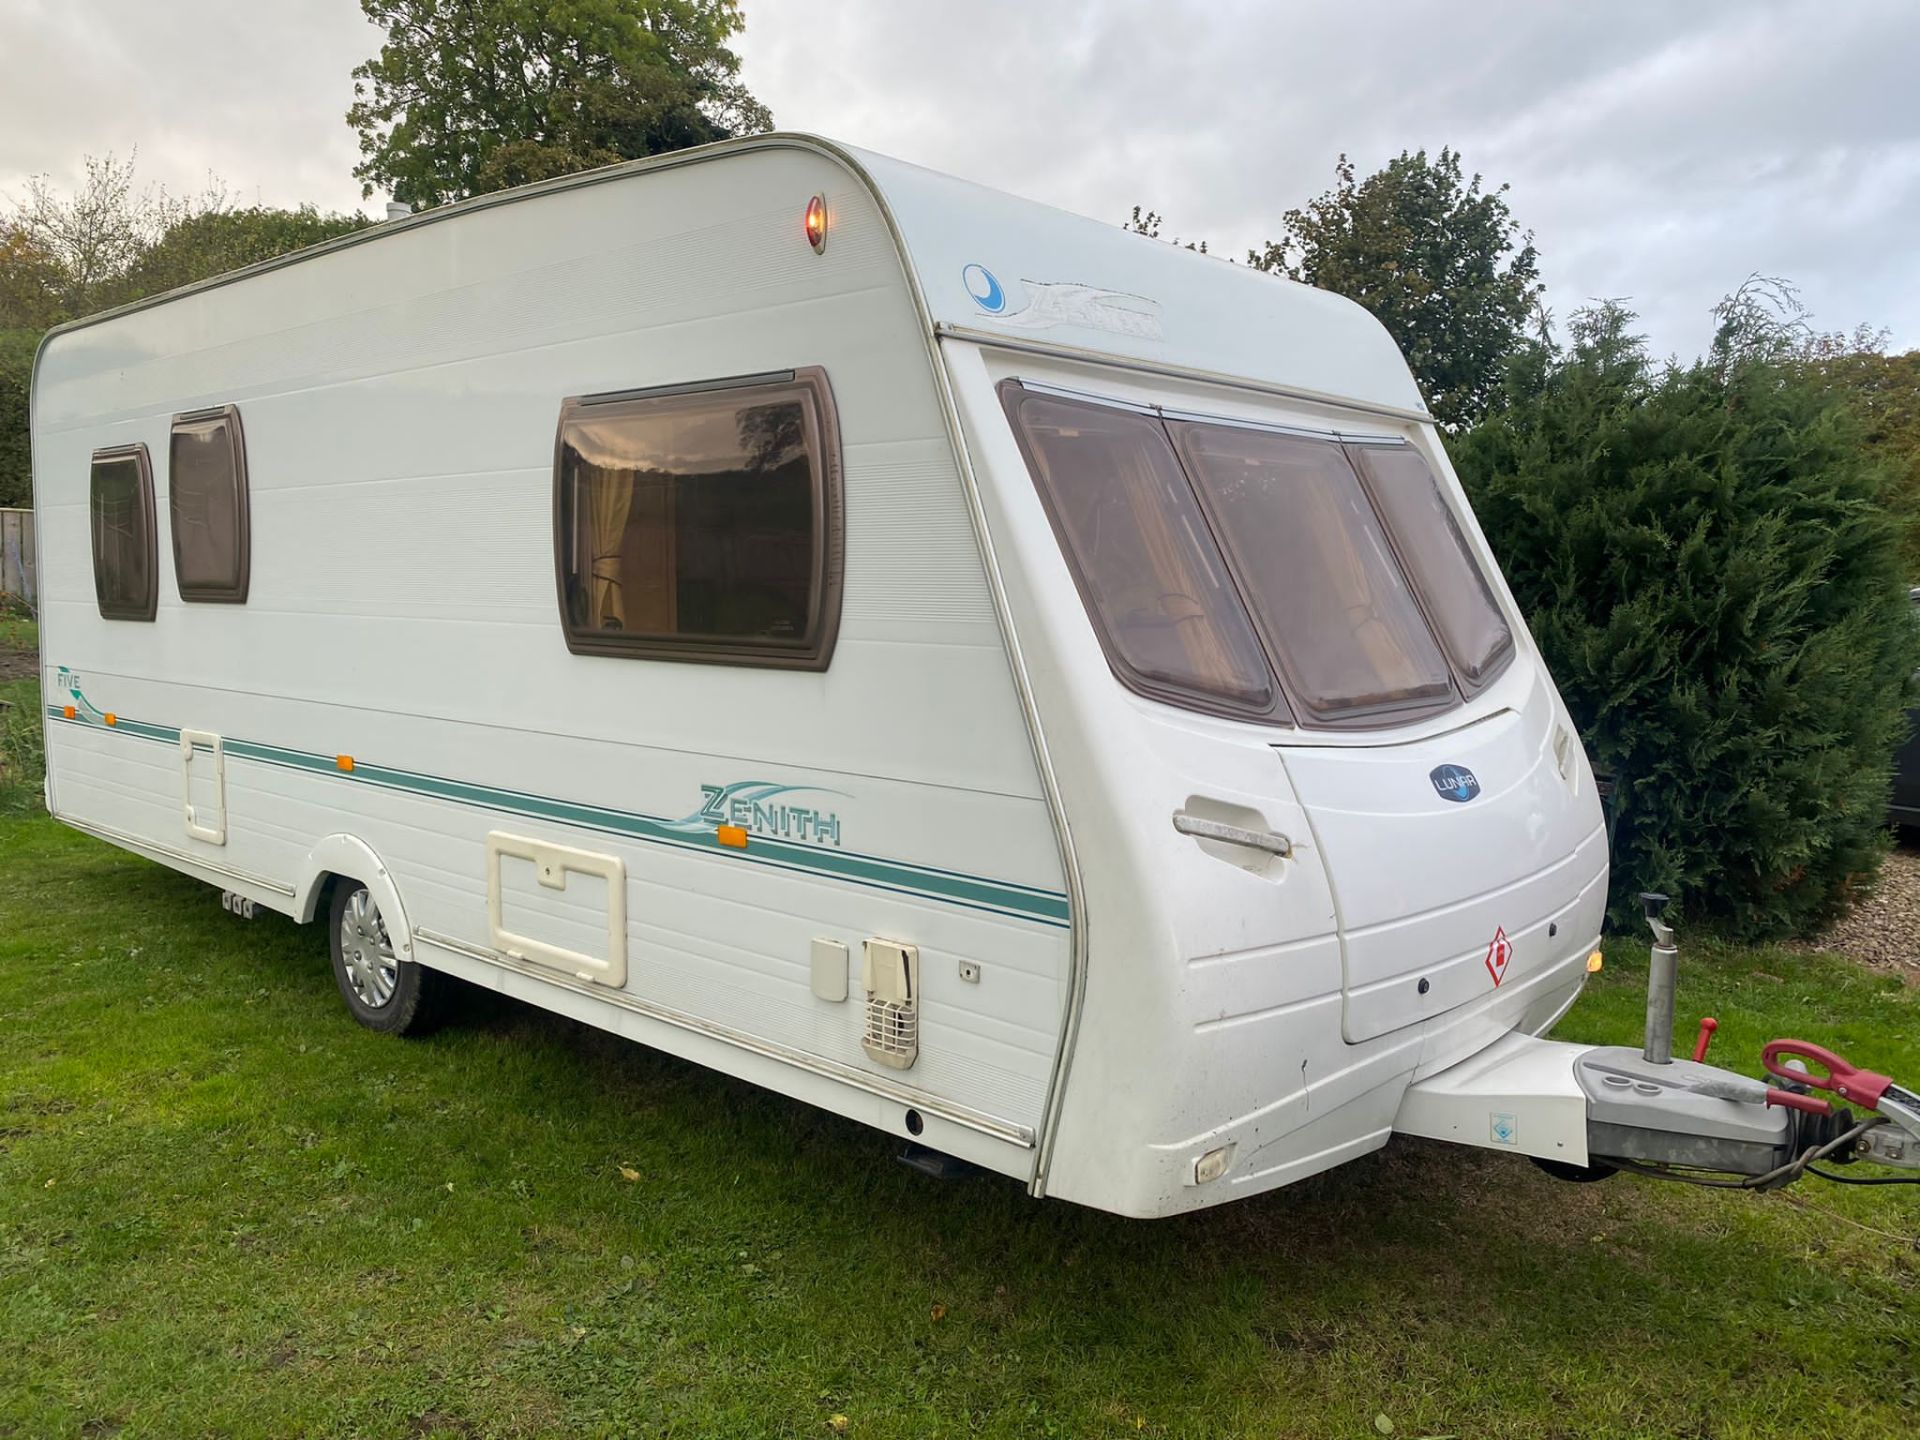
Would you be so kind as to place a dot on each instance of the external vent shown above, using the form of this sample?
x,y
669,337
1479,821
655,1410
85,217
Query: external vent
x,y
892,981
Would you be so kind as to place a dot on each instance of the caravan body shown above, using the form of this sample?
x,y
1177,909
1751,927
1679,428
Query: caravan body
x,y
1000,678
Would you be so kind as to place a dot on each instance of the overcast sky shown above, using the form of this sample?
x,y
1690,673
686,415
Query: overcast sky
x,y
1660,152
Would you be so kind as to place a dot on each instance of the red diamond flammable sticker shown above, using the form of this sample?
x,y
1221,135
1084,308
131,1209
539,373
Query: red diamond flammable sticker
x,y
1499,952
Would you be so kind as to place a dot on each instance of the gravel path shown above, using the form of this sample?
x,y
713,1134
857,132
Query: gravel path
x,y
1883,929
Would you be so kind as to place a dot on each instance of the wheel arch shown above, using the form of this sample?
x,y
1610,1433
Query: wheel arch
x,y
347,857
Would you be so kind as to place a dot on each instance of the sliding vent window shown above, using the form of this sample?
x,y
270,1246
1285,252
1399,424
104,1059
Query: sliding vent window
x,y
1458,598
702,524
1160,596
1316,567
126,561
207,506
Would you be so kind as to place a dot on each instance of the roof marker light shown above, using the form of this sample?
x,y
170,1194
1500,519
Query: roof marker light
x,y
816,223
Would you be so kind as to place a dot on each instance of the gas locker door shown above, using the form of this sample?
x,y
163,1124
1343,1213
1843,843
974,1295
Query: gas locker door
x,y
1460,864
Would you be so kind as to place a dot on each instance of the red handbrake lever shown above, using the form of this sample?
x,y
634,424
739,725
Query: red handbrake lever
x,y
1862,1087
1707,1026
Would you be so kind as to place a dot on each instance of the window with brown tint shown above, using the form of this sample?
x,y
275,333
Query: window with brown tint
x,y
702,523
126,561
1162,601
207,506
1451,584
1315,565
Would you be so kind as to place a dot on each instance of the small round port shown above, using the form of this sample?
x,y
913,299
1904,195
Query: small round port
x,y
915,1124
1425,985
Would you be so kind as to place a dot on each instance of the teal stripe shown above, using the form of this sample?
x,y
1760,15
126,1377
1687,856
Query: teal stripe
x,y
900,877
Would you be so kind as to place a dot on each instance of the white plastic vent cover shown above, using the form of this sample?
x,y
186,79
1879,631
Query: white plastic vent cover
x,y
891,976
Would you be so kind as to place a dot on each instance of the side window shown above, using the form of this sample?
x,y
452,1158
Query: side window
x,y
702,523
126,558
207,505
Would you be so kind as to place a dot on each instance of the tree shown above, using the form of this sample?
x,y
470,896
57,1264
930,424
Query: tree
x,y
81,246
1147,223
213,242
109,243
484,94
1703,556
16,379
1437,257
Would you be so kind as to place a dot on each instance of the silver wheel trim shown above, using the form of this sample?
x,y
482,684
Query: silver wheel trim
x,y
366,952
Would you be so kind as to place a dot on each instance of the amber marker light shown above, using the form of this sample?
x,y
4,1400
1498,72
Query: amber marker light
x,y
345,762
733,837
67,711
816,223
111,718
1594,962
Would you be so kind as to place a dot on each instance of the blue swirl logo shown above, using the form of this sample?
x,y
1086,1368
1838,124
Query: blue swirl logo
x,y
984,289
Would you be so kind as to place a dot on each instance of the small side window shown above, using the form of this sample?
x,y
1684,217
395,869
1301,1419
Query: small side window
x,y
126,568
207,505
702,523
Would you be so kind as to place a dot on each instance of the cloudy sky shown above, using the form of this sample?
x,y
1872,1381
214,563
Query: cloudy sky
x,y
1660,152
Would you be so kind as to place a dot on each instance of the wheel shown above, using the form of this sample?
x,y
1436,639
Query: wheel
x,y
384,992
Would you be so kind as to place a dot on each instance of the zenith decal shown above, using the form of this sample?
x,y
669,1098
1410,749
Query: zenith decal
x,y
764,808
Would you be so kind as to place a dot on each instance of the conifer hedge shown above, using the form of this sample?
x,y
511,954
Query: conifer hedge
x,y
1703,556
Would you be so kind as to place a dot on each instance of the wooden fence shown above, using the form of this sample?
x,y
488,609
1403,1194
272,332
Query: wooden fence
x,y
16,556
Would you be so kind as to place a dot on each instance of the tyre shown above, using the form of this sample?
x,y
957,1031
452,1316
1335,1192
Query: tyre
x,y
384,992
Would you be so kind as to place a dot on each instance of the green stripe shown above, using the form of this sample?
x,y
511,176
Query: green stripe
x,y
901,877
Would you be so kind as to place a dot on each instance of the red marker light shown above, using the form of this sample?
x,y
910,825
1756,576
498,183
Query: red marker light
x,y
817,223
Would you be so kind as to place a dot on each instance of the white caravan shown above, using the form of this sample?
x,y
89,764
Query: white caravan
x,y
1006,680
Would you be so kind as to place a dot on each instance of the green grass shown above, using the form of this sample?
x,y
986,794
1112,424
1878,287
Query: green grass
x,y
226,1210
17,632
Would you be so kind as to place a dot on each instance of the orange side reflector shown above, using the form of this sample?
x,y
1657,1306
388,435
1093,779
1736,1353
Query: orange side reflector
x,y
1594,962
733,836
68,712
345,762
112,719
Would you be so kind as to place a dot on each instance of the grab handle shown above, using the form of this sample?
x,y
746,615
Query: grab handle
x,y
1201,828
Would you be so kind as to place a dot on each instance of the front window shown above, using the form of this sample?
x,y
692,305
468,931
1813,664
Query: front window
x,y
1263,573
1317,570
1162,602
1458,598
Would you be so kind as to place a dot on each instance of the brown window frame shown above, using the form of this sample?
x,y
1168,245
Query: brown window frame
x,y
814,650
202,594
143,465
1312,711
1357,451
1275,711
1288,707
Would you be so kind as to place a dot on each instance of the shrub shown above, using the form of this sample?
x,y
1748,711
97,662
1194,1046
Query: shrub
x,y
1704,559
23,754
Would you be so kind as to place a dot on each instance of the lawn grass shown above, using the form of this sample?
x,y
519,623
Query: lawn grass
x,y
226,1210
19,632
